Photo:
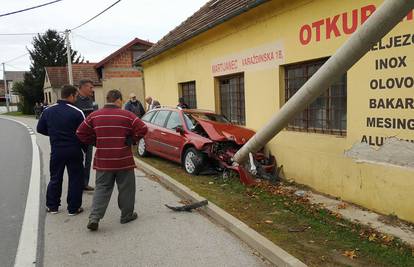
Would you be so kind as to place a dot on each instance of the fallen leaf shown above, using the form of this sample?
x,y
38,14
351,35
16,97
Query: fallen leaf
x,y
387,238
372,237
350,254
342,206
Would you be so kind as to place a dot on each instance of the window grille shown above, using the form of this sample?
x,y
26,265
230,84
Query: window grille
x,y
232,98
327,114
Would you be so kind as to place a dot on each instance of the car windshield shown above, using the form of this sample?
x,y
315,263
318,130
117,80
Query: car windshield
x,y
190,118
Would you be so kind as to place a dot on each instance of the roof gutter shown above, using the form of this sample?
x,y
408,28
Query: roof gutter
x,y
204,29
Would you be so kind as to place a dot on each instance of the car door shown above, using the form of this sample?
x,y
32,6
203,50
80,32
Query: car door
x,y
158,123
173,140
147,119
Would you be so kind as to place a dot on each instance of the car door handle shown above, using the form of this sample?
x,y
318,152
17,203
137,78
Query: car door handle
x,y
163,133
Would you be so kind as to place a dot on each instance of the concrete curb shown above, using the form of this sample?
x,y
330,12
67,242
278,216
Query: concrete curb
x,y
265,247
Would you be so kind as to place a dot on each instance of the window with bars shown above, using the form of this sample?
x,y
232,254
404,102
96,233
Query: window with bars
x,y
232,98
188,92
327,114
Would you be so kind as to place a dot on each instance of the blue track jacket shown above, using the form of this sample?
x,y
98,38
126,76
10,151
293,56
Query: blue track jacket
x,y
60,122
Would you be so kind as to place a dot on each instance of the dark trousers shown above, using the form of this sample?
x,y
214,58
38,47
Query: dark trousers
x,y
105,182
72,159
87,168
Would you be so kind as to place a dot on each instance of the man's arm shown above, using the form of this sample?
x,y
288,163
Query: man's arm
x,y
139,129
42,124
85,132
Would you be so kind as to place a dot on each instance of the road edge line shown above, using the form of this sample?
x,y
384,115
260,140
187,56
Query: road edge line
x,y
273,253
26,254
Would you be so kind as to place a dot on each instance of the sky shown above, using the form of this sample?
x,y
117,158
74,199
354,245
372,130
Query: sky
x,y
144,19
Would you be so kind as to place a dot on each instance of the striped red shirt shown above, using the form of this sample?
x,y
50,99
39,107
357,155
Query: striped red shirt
x,y
108,128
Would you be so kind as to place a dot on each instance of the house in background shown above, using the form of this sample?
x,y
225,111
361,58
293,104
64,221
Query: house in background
x,y
117,71
56,77
11,78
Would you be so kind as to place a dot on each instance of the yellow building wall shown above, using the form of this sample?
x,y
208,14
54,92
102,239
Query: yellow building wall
x,y
317,160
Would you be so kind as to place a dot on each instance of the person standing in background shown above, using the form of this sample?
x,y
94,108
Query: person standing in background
x,y
152,103
135,106
84,102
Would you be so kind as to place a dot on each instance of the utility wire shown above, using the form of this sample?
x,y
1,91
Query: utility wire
x,y
93,41
13,59
16,68
26,9
96,15
23,33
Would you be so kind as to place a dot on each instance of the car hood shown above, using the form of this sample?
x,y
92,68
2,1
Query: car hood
x,y
226,132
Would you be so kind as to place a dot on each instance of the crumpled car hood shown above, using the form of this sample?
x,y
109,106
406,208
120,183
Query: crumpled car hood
x,y
226,132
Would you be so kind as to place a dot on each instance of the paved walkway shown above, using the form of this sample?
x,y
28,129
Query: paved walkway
x,y
159,237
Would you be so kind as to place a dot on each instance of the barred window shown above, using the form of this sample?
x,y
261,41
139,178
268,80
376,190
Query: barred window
x,y
232,98
188,92
327,114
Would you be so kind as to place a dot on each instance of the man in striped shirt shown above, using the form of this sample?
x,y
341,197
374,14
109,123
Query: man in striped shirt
x,y
111,129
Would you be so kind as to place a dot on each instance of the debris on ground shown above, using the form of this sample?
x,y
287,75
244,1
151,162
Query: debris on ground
x,y
350,254
188,207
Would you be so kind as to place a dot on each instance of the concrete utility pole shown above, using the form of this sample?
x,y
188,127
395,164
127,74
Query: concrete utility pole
x,y
68,53
389,14
6,92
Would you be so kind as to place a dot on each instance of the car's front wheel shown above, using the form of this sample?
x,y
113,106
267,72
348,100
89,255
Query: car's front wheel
x,y
142,148
193,161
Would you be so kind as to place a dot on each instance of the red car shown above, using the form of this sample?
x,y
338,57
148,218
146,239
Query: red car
x,y
196,139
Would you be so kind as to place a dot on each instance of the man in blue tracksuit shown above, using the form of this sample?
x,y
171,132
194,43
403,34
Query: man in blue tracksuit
x,y
60,122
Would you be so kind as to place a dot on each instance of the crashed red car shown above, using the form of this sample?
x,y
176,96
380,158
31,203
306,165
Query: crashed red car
x,y
198,139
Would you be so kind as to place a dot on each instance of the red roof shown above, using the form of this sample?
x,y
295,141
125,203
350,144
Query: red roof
x,y
136,41
58,76
210,15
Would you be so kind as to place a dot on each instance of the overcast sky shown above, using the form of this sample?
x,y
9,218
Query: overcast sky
x,y
145,19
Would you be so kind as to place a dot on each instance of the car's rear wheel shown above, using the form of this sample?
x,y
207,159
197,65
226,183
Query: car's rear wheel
x,y
142,148
193,161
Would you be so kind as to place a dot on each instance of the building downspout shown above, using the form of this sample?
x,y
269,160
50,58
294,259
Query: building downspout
x,y
383,20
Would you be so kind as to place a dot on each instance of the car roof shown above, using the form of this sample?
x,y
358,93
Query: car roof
x,y
186,110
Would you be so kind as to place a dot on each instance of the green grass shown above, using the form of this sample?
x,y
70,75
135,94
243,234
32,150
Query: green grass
x,y
18,114
276,214
15,113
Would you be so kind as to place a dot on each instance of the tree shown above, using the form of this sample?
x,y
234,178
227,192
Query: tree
x,y
49,50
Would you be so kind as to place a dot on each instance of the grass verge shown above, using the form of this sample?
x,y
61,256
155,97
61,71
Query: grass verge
x,y
307,231
15,113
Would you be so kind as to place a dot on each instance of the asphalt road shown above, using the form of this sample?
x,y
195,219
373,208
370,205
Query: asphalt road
x,y
15,168
160,237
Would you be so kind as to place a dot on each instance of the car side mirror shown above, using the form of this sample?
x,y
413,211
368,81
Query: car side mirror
x,y
179,129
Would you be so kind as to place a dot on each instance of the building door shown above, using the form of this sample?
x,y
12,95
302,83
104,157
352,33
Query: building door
x,y
232,98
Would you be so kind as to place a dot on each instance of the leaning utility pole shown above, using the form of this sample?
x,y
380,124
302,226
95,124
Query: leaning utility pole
x,y
6,92
389,14
68,53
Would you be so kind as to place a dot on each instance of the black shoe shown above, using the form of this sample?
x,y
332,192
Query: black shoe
x,y
92,225
80,210
129,218
52,211
88,188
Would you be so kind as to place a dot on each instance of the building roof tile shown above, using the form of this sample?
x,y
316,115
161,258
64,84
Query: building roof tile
x,y
58,76
208,16
136,41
